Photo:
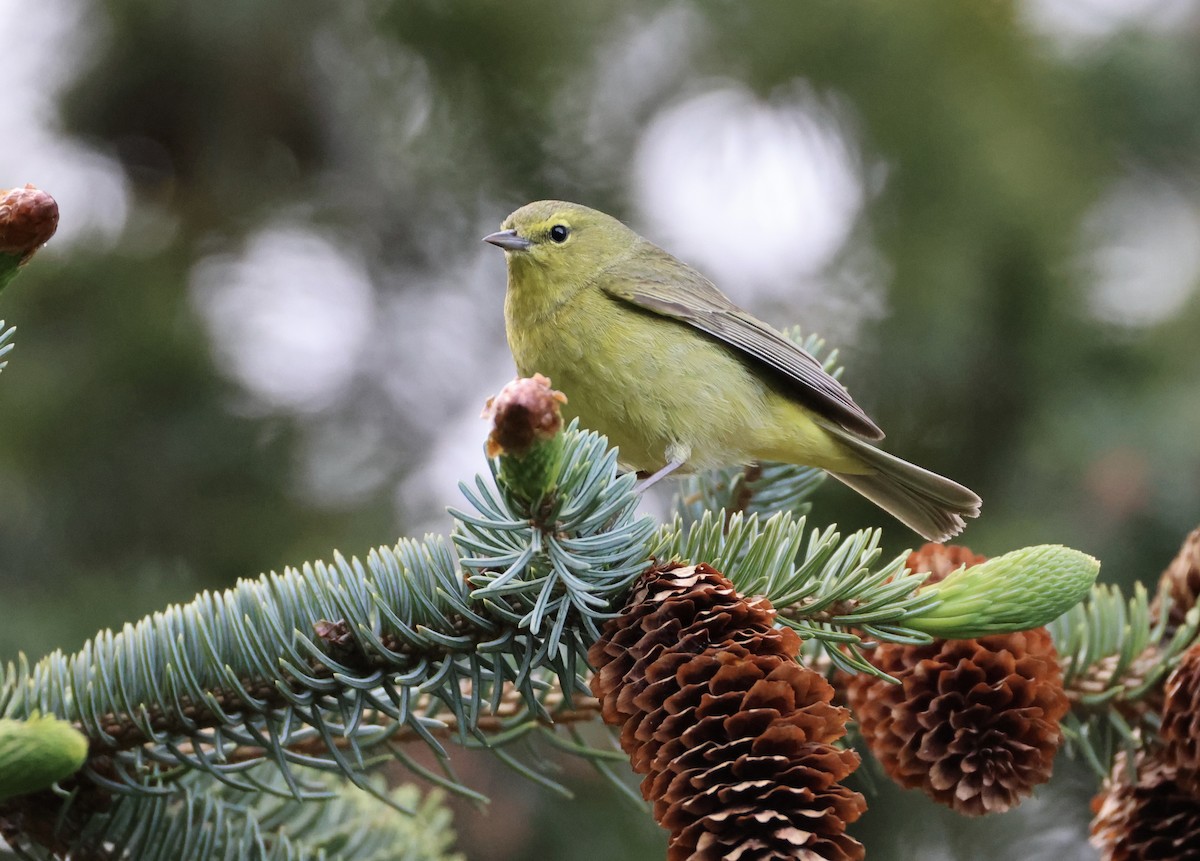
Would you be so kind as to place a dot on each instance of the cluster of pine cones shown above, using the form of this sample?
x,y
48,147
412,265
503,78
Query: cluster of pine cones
x,y
742,748
1150,808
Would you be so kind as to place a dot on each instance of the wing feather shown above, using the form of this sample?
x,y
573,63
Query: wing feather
x,y
660,283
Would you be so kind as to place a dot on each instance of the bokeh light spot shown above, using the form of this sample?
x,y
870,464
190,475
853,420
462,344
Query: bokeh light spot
x,y
288,318
750,191
1145,257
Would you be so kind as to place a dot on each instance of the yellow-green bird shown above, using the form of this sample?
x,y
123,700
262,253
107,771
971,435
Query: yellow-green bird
x,y
651,354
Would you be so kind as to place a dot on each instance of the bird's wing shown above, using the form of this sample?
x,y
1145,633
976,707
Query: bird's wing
x,y
663,285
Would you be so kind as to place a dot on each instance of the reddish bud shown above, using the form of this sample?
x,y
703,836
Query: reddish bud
x,y
525,412
28,218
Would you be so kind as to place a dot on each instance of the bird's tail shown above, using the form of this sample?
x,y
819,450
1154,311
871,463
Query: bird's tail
x,y
929,504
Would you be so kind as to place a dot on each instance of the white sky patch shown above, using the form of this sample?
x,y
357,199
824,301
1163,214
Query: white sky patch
x,y
455,455
1073,21
757,193
1143,256
443,334
44,50
438,354
288,318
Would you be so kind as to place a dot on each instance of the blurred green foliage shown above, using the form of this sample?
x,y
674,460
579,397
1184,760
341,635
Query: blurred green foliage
x,y
137,468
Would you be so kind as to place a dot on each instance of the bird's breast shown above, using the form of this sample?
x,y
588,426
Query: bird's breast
x,y
645,381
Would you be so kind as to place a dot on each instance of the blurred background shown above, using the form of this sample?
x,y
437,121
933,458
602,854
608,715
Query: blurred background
x,y
267,325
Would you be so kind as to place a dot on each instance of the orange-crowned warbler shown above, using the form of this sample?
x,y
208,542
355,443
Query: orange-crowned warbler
x,y
650,353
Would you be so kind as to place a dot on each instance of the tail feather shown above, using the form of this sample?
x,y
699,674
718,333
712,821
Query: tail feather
x,y
929,504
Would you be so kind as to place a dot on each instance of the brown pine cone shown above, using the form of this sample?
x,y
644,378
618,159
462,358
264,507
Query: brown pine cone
x,y
973,723
1180,730
735,738
1146,816
1182,582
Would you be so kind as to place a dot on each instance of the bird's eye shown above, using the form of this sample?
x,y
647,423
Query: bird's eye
x,y
559,233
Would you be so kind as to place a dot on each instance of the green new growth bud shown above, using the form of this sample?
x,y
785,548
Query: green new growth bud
x,y
527,436
1023,589
35,753
28,218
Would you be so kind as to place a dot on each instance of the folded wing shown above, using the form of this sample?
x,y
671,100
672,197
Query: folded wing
x,y
659,283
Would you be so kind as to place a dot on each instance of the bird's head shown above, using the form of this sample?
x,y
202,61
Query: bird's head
x,y
560,244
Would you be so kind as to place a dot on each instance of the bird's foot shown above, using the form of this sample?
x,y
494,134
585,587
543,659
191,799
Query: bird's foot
x,y
661,474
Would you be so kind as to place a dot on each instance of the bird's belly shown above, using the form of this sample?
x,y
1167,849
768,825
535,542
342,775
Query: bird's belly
x,y
657,391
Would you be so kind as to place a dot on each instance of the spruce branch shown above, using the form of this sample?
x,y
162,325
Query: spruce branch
x,y
1116,652
6,343
837,591
481,639
334,666
198,819
1136,689
827,588
549,552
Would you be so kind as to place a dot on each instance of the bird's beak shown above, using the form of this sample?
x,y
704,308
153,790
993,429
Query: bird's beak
x,y
508,240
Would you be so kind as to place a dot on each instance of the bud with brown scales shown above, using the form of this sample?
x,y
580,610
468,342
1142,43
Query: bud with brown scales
x,y
526,436
524,413
28,218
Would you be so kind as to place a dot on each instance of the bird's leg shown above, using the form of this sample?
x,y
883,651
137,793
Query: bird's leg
x,y
662,473
677,456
